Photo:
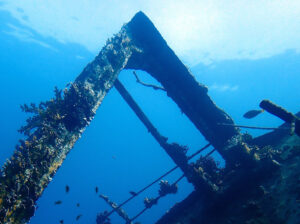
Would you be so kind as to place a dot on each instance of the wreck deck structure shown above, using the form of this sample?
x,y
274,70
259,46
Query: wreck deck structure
x,y
255,169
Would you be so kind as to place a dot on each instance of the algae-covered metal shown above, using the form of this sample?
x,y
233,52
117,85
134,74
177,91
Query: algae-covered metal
x,y
58,123
268,197
54,128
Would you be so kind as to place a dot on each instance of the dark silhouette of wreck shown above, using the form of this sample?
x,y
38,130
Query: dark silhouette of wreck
x,y
260,183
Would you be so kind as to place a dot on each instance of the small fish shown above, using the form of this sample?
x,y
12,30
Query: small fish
x,y
77,204
67,189
114,157
96,189
252,113
133,193
61,221
78,217
58,202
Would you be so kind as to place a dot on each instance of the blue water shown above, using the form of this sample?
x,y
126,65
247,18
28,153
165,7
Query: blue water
x,y
116,153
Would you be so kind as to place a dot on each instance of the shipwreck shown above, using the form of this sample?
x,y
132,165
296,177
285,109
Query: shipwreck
x,y
259,185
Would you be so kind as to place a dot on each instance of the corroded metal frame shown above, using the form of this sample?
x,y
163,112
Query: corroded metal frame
x,y
58,124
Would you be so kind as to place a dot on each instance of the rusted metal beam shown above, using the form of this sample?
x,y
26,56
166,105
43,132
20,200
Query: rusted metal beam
x,y
283,114
55,128
160,62
140,114
175,151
